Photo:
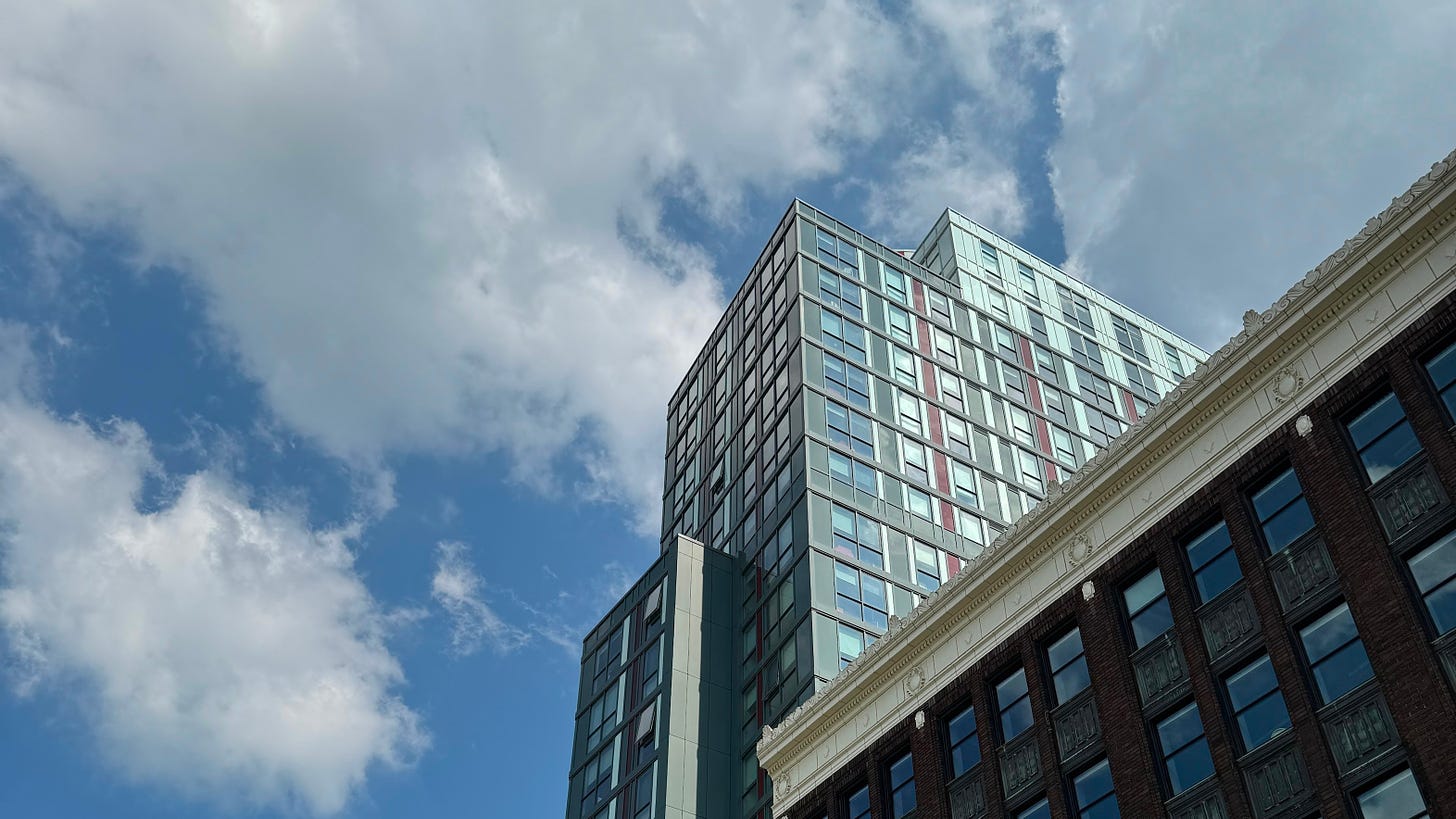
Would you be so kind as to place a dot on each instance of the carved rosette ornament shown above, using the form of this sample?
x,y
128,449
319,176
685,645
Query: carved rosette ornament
x,y
1089,591
914,679
1303,426
1079,548
1285,384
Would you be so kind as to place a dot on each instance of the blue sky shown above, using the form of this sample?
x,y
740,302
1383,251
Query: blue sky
x,y
335,337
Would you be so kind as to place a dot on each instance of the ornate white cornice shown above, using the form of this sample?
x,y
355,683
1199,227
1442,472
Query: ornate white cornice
x,y
1375,285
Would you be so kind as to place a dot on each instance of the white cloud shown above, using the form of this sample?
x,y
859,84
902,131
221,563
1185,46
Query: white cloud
x,y
219,650
409,218
956,170
473,623
1212,153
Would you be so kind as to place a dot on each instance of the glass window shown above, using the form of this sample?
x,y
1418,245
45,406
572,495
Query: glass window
x,y
896,285
1014,702
602,716
1282,511
1028,282
861,596
957,435
1093,789
1336,654
859,804
852,642
847,381
1434,570
1184,749
857,536
927,566
965,745
900,326
939,306
1215,567
1383,437
1075,309
1175,364
1442,367
850,429
917,464
989,259
905,369
963,484
1147,608
642,795
1396,798
1253,693
1130,339
844,337
909,407
902,787
651,666
841,294
1038,327
919,503
852,473
1041,810
1086,352
1069,666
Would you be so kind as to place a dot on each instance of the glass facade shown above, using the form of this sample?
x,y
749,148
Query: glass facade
x,y
862,422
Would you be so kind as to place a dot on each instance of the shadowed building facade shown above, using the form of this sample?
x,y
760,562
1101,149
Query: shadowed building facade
x,y
860,425
1245,607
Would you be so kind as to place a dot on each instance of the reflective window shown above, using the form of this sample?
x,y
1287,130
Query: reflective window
x,y
1147,608
1170,356
1014,702
1442,367
1396,798
1184,749
965,744
1282,511
849,472
860,595
1215,567
1093,790
844,337
1069,666
852,643
1335,653
1041,810
1383,437
1434,570
902,787
847,381
850,429
897,286
859,804
1253,693
927,566
651,667
857,536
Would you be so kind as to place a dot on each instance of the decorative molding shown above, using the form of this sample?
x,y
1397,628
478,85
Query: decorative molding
x,y
1089,591
1185,440
914,680
1161,671
1020,766
1359,728
1079,548
1078,729
1277,780
1303,426
919,720
1404,498
1303,574
1229,623
1286,383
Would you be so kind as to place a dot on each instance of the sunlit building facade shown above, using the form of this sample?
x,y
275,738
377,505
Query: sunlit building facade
x,y
1244,607
860,426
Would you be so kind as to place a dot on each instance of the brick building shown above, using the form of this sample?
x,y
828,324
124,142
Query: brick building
x,y
1245,607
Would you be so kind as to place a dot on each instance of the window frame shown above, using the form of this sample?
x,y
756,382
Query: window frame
x,y
1375,398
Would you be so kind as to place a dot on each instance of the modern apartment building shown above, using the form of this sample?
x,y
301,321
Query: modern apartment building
x,y
860,426
1243,608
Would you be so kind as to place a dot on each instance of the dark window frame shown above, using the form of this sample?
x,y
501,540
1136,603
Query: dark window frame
x,y
1376,395
1447,345
1196,533
1264,481
974,738
1129,617
997,681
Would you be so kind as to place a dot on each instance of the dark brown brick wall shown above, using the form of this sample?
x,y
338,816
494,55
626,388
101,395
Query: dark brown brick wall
x,y
1373,580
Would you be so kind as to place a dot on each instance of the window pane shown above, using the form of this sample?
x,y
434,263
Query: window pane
x,y
1443,372
1395,798
1151,622
1335,653
1277,494
1389,451
1258,706
859,804
1185,752
1373,422
1434,570
965,750
1093,789
1293,521
1015,705
1215,567
1041,810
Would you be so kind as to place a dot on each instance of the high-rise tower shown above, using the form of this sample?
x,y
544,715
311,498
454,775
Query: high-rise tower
x,y
861,422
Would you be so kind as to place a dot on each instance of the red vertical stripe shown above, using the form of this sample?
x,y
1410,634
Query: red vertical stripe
x,y
942,472
933,417
947,517
924,336
1131,407
932,388
1051,471
952,566
1033,390
1026,358
917,291
1043,436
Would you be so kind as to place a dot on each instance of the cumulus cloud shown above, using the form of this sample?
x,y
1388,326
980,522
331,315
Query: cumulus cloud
x,y
949,169
473,623
1211,154
220,650
433,227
